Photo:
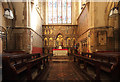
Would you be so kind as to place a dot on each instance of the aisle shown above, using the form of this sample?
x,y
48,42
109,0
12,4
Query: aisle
x,y
62,70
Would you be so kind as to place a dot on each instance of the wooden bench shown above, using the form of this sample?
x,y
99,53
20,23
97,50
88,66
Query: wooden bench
x,y
17,66
108,62
40,63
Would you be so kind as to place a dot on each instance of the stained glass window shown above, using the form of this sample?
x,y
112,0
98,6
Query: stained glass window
x,y
69,11
59,11
64,11
50,11
54,11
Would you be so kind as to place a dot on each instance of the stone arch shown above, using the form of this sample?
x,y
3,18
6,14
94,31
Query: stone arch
x,y
45,42
50,41
59,34
73,41
68,42
59,40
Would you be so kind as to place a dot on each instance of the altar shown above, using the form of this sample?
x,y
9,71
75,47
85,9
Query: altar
x,y
60,52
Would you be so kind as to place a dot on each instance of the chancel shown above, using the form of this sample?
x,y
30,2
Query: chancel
x,y
59,40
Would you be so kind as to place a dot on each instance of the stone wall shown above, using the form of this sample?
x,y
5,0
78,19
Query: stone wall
x,y
25,29
0,27
37,17
95,15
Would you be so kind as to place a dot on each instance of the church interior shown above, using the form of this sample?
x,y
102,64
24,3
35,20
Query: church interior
x,y
59,40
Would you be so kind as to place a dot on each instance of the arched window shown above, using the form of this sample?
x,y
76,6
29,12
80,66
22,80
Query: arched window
x,y
59,11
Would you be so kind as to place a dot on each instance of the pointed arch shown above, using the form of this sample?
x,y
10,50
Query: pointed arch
x,y
59,39
50,41
68,41
73,41
45,42
59,34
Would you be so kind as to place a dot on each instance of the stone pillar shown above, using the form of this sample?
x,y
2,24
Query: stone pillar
x,y
64,42
119,26
54,43
0,45
0,27
0,42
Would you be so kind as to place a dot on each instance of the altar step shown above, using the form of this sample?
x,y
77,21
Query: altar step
x,y
60,59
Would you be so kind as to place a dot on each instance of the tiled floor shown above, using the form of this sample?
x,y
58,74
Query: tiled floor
x,y
62,70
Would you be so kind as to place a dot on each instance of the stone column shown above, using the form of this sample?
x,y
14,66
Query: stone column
x,y
0,41
0,45
119,26
64,42
54,43
0,27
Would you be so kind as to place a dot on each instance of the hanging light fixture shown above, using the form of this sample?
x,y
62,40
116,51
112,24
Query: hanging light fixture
x,y
8,13
113,11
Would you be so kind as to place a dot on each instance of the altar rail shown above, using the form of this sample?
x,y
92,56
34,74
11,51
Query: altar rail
x,y
23,66
107,62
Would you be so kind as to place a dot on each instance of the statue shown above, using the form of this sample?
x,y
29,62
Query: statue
x,y
60,47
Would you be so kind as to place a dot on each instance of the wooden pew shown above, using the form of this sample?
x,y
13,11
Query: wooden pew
x,y
41,64
85,61
108,62
19,66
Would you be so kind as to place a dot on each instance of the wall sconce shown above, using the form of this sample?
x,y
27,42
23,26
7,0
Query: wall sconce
x,y
1,34
8,14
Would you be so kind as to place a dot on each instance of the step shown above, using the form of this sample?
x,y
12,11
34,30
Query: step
x,y
60,57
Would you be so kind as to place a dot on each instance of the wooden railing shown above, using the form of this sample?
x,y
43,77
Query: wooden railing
x,y
23,66
107,62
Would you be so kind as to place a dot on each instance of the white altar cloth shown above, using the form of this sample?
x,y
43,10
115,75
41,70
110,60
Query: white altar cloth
x,y
60,52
